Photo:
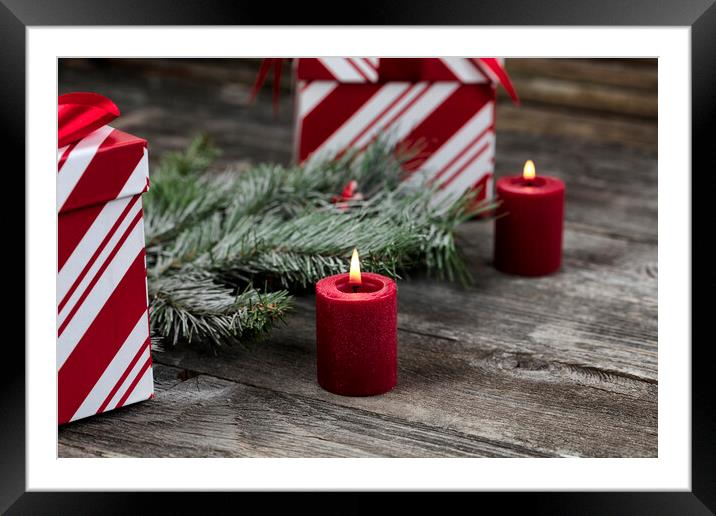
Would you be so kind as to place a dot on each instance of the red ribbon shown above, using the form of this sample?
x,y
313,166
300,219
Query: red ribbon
x,y
493,66
266,65
78,114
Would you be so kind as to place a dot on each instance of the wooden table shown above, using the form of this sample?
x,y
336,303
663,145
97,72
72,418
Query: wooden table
x,y
564,365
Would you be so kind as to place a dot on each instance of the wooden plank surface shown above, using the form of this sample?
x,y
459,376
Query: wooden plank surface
x,y
564,365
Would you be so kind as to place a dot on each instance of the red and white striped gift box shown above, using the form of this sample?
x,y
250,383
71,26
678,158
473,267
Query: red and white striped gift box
x,y
444,105
103,347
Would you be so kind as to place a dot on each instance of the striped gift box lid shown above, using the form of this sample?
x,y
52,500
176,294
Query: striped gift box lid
x,y
96,163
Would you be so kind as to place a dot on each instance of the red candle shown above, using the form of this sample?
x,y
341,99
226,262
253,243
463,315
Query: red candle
x,y
528,227
357,333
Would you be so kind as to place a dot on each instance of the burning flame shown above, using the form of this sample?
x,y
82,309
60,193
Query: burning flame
x,y
528,172
354,276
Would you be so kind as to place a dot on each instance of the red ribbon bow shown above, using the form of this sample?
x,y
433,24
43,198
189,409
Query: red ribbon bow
x,y
492,66
78,114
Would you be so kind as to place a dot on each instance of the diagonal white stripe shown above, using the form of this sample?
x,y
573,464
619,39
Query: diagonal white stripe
x,y
60,152
392,113
366,68
490,186
99,261
312,95
137,180
373,61
77,163
487,70
433,98
99,295
128,381
88,245
467,179
464,70
487,138
425,174
457,142
341,70
115,369
352,127
144,388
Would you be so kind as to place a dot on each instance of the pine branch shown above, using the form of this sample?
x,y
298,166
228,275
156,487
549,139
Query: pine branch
x,y
211,234
192,307
394,233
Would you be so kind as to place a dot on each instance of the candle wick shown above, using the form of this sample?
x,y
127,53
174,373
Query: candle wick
x,y
355,289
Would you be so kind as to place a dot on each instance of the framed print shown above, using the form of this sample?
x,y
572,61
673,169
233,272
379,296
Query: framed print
x,y
383,264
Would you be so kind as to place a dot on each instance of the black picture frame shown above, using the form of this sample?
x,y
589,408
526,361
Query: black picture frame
x,y
700,15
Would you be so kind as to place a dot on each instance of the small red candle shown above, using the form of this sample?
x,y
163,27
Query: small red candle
x,y
528,227
357,332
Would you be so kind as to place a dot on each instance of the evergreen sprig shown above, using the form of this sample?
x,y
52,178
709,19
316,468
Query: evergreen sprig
x,y
194,307
224,249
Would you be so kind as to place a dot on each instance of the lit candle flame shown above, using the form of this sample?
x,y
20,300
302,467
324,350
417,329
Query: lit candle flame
x,y
528,173
354,276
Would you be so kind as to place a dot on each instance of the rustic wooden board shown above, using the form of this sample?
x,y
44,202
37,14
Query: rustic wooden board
x,y
627,74
610,189
540,121
206,416
587,96
564,365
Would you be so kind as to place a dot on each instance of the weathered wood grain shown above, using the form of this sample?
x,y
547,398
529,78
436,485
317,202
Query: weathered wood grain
x,y
599,311
627,74
516,398
586,96
206,416
610,189
541,121
564,365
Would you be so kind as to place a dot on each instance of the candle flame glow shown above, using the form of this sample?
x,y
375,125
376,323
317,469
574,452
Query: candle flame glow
x,y
354,276
529,171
